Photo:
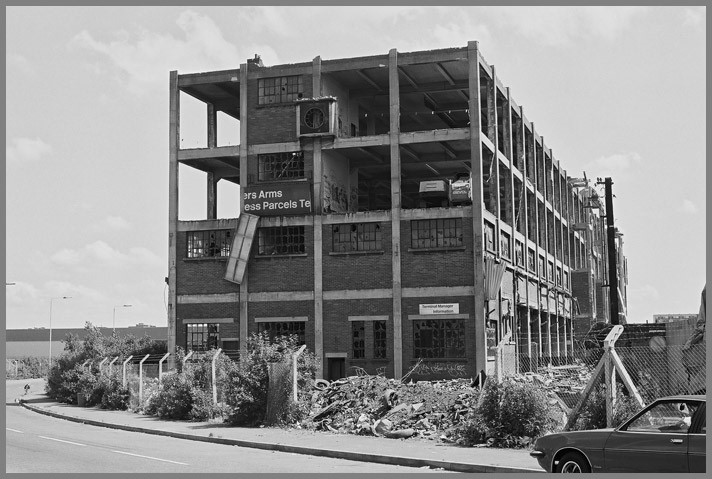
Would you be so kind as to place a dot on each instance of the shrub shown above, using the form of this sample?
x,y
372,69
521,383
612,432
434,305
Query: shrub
x,y
247,383
593,412
114,394
509,414
173,400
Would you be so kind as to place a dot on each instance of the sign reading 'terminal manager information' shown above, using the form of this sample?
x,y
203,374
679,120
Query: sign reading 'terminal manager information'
x,y
277,200
441,308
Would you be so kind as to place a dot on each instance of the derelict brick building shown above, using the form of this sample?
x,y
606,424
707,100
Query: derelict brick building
x,y
395,207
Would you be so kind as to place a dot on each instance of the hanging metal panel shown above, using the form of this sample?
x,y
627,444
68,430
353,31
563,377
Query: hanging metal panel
x,y
241,246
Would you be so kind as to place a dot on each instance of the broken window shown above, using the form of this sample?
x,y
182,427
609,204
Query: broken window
x,y
356,237
439,338
281,240
274,329
379,339
210,243
436,233
359,339
518,253
202,337
551,272
504,245
531,261
279,89
280,166
489,237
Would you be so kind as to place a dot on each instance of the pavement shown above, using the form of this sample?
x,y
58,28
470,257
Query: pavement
x,y
411,452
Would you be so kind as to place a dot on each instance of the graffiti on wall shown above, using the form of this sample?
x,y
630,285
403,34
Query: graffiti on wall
x,y
453,370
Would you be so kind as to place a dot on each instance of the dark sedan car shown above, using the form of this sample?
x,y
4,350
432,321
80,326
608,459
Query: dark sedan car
x,y
669,435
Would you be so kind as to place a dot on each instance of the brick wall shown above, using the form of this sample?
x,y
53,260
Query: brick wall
x,y
200,276
437,268
338,338
274,123
357,270
283,273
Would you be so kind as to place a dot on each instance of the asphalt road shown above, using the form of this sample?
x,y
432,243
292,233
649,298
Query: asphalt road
x,y
39,443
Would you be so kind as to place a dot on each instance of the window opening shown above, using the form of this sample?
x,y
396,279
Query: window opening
x,y
283,328
210,243
281,240
436,233
202,337
439,338
279,89
359,339
379,340
356,237
489,237
280,166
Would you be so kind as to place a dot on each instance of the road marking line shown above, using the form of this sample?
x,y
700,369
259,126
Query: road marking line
x,y
14,430
61,440
149,457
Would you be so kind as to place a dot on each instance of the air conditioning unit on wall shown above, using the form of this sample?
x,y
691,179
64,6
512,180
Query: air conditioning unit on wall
x,y
316,117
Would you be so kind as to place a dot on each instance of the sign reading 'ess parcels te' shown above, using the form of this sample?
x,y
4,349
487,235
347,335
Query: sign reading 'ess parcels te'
x,y
278,200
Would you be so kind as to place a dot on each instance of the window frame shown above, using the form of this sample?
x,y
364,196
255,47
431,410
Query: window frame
x,y
282,241
284,328
209,334
268,163
356,239
280,89
430,234
199,246
440,333
380,340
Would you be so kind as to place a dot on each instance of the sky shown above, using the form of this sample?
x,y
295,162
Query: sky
x,y
614,91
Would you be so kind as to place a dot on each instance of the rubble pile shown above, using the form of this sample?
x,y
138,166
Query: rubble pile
x,y
375,405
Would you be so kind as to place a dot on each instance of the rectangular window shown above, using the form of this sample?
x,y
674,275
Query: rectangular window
x,y
504,245
531,261
283,328
202,337
206,244
280,166
519,253
551,271
379,339
558,276
279,89
439,338
566,279
542,269
358,336
489,237
356,237
281,240
436,233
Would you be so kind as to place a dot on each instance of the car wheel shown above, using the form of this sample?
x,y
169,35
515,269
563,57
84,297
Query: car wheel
x,y
572,462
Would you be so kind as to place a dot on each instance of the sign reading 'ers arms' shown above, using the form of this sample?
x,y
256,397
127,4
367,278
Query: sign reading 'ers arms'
x,y
278,200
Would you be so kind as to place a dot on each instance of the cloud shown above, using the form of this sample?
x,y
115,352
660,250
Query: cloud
x,y
100,253
21,293
23,150
75,291
112,223
614,164
561,26
643,293
694,17
146,57
688,207
17,62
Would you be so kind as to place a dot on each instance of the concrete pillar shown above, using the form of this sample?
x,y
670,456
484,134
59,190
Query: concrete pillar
x,y
173,147
212,186
394,104
480,338
243,184
318,195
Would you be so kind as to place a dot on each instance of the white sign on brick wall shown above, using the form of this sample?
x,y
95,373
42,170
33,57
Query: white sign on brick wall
x,y
440,308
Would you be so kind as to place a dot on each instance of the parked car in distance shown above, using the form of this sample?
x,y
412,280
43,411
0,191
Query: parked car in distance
x,y
669,435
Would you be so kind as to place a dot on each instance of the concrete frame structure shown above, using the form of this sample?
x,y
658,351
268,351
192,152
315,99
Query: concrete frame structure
x,y
403,118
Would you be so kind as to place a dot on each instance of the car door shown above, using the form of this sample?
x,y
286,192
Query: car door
x,y
655,440
697,448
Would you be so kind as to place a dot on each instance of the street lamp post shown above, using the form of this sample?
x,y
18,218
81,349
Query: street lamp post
x,y
50,327
113,323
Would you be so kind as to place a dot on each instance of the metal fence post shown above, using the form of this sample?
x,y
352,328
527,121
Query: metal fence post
x,y
124,369
294,370
140,379
111,364
102,363
160,367
215,386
